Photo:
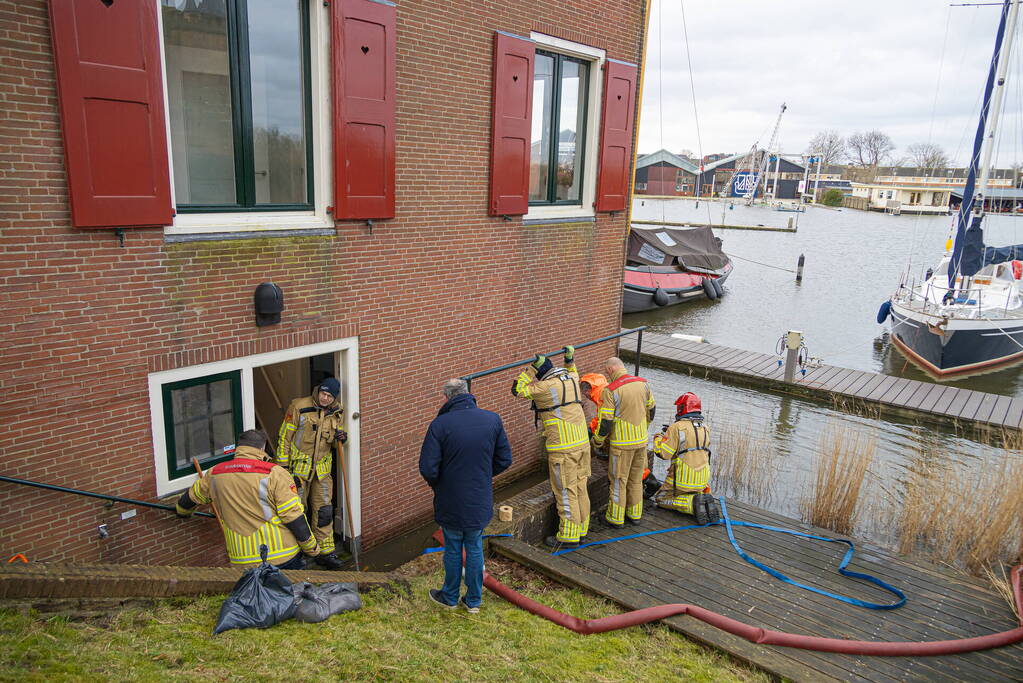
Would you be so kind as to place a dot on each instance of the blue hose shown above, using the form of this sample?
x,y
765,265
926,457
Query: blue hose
x,y
729,523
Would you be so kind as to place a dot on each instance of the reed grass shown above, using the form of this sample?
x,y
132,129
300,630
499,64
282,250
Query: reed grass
x,y
999,579
743,464
844,457
970,518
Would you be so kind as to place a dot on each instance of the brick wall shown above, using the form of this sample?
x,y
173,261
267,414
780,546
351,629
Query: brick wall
x,y
440,291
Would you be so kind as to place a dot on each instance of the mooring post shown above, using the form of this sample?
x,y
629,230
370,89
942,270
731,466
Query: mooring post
x,y
799,267
791,220
639,350
793,340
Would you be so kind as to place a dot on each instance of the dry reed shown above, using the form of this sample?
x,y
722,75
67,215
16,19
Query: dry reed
x,y
844,456
967,518
743,464
1003,586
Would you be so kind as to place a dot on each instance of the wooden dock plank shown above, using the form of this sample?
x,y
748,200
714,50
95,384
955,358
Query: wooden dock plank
x,y
665,569
929,399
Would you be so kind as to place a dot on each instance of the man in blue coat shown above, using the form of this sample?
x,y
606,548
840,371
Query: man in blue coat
x,y
464,448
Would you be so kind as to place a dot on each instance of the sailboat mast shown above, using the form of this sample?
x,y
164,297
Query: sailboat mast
x,y
996,100
966,208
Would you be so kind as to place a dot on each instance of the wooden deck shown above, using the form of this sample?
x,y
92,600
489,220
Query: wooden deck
x,y
700,567
920,399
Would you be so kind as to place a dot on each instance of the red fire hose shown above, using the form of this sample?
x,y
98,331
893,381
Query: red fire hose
x,y
765,636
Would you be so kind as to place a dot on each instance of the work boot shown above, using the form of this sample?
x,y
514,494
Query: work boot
x,y
329,561
630,520
602,522
553,542
713,509
705,509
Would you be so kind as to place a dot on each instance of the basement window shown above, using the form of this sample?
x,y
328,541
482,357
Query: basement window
x,y
202,417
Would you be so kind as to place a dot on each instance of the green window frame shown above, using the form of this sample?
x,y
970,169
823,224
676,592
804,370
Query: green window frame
x,y
171,421
243,132
554,129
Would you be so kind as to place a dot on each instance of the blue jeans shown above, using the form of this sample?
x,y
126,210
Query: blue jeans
x,y
455,540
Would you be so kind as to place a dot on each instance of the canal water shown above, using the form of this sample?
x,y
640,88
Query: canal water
x,y
853,262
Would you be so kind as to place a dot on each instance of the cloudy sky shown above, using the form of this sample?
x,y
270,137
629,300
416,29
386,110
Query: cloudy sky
x,y
913,69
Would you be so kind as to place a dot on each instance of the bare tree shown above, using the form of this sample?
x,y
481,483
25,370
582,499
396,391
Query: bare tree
x,y
927,155
870,148
828,145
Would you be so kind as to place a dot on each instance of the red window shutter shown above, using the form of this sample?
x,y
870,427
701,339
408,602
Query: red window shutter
x,y
110,88
511,124
363,48
616,135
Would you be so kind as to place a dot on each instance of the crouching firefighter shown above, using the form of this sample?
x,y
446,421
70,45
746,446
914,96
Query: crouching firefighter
x,y
311,427
557,404
257,504
626,410
686,443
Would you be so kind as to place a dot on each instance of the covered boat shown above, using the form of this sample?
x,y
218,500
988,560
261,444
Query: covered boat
x,y
665,266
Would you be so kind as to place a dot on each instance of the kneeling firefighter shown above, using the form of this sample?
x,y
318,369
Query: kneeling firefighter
x,y
312,426
687,444
556,401
257,504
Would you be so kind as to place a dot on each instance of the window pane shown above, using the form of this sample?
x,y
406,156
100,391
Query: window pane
x,y
220,396
540,150
203,417
571,122
278,101
199,87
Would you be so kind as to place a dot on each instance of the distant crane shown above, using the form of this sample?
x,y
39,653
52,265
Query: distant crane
x,y
766,160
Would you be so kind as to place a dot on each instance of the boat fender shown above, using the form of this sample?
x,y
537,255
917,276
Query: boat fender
x,y
929,274
708,289
718,287
1017,270
882,313
660,297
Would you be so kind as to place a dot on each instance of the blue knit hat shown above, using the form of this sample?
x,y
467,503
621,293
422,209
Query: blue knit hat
x,y
331,386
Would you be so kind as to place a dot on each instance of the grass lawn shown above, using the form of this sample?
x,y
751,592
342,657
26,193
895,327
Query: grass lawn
x,y
394,637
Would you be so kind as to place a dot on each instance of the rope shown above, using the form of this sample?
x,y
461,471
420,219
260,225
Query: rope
x,y
759,263
728,523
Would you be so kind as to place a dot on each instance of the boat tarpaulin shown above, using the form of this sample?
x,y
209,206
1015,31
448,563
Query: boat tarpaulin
x,y
1012,252
692,247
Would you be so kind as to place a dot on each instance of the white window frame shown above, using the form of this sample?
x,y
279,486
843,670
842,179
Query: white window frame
x,y
596,58
322,142
347,370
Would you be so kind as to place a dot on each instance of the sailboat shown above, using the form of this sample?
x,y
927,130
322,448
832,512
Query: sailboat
x,y
966,315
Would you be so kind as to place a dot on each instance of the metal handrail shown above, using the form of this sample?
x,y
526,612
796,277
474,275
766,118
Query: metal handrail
x,y
91,494
508,366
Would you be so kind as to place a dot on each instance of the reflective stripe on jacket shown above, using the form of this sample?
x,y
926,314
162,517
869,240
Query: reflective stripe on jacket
x,y
687,445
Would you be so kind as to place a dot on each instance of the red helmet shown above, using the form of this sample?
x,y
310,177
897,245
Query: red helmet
x,y
687,403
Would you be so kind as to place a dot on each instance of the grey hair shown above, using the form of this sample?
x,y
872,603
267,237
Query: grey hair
x,y
614,362
454,387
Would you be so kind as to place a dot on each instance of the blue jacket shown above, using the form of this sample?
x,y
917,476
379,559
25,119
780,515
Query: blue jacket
x,y
464,448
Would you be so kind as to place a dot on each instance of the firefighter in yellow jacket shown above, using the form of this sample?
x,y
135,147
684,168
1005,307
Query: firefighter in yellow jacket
x,y
305,445
686,443
257,504
626,410
557,403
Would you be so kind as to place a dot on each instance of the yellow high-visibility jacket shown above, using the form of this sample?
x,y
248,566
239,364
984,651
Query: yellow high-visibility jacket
x,y
630,406
306,436
557,401
687,445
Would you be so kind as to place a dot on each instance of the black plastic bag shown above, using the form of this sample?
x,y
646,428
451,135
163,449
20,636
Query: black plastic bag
x,y
317,603
261,598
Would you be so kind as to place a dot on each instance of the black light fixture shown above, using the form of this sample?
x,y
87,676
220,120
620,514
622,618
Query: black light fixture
x,y
269,300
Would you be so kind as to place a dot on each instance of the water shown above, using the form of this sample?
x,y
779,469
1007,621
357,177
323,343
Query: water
x,y
854,260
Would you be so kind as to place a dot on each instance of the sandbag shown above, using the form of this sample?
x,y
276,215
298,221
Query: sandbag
x,y
316,603
261,598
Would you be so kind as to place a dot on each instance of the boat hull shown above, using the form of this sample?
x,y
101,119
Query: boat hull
x,y
964,346
639,294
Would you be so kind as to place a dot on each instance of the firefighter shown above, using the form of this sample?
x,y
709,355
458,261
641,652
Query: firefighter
x,y
557,404
311,427
626,410
686,443
257,504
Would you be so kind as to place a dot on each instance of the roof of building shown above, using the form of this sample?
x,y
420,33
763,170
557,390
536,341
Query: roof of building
x,y
721,162
1014,193
664,156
